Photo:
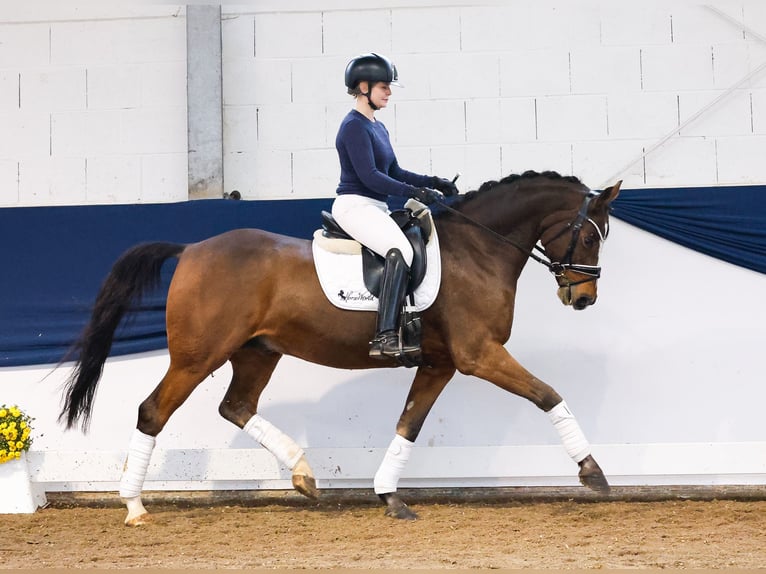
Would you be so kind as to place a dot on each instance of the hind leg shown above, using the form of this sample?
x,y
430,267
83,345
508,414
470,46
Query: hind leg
x,y
153,414
252,368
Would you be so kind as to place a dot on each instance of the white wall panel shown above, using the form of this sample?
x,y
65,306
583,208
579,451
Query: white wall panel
x,y
682,162
265,173
9,90
463,76
288,35
518,118
114,179
84,134
758,102
114,86
53,89
154,130
741,159
677,68
635,24
424,30
24,45
163,177
694,24
319,80
248,82
430,123
296,126
534,72
475,163
571,118
315,173
605,70
240,128
25,134
45,180
596,162
348,33
729,117
642,114
731,63
9,182
483,121
237,36
517,158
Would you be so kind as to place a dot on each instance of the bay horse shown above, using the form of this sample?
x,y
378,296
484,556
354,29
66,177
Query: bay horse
x,y
486,238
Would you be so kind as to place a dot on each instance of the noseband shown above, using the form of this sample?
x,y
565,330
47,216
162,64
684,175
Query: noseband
x,y
558,268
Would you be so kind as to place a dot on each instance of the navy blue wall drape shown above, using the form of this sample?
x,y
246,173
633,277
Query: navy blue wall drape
x,y
728,223
53,259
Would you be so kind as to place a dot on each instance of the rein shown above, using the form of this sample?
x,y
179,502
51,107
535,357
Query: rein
x,y
558,269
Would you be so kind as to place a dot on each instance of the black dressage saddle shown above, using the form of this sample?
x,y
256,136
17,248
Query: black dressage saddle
x,y
416,229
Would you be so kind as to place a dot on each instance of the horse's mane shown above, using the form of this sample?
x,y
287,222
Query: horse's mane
x,y
514,177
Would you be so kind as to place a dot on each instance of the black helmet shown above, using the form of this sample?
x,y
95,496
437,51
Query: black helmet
x,y
370,68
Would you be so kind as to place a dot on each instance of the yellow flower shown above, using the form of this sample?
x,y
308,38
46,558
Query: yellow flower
x,y
15,412
3,413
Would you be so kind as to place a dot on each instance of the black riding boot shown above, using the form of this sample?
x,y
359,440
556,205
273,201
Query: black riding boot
x,y
393,288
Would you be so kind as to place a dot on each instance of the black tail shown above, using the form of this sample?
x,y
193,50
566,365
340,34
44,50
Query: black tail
x,y
134,273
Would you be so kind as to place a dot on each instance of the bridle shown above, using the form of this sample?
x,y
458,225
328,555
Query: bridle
x,y
558,268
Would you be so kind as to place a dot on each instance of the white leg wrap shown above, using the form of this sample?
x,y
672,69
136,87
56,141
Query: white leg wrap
x,y
570,432
137,462
285,449
397,455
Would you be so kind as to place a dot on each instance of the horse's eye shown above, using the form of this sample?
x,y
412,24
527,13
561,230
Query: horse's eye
x,y
589,240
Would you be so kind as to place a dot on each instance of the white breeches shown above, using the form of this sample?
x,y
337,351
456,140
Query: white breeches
x,y
367,221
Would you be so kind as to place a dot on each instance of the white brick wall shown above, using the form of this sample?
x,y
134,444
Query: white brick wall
x,y
88,94
92,104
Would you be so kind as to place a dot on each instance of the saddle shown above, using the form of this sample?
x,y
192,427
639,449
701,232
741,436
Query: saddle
x,y
416,228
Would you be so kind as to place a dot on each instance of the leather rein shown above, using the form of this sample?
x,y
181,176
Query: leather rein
x,y
558,268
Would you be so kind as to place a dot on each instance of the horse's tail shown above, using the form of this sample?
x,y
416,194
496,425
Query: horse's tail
x,y
137,271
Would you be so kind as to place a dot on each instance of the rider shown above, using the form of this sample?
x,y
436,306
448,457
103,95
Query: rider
x,y
369,174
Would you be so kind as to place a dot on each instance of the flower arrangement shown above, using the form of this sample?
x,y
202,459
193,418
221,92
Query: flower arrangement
x,y
15,433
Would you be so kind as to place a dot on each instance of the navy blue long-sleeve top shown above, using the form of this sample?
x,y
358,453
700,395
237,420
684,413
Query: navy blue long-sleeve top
x,y
368,164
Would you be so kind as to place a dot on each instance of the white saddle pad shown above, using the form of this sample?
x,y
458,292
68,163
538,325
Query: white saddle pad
x,y
340,275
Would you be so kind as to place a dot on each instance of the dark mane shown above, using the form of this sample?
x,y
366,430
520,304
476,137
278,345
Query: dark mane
x,y
530,174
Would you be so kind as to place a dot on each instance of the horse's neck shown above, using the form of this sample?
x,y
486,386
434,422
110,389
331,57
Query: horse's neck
x,y
518,211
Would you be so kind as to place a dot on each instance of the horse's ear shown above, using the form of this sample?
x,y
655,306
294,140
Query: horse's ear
x,y
609,194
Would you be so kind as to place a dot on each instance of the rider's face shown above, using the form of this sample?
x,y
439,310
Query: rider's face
x,y
380,93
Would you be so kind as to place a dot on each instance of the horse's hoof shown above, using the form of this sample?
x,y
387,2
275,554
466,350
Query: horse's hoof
x,y
139,520
592,476
306,485
395,507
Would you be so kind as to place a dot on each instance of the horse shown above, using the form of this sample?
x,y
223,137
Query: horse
x,y
486,237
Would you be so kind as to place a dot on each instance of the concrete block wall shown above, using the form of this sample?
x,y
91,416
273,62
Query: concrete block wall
x,y
93,96
92,104
579,87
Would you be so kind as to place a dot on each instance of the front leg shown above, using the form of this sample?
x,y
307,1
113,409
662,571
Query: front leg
x,y
494,364
426,387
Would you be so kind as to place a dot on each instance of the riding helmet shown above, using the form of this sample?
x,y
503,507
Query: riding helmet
x,y
370,68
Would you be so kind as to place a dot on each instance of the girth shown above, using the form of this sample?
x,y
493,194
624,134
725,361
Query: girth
x,y
416,230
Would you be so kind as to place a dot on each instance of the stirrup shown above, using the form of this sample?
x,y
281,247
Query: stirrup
x,y
389,345
385,345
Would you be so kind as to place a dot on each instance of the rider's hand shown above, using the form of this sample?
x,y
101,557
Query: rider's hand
x,y
427,195
446,186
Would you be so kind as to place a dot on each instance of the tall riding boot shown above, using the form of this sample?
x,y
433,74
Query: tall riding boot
x,y
393,288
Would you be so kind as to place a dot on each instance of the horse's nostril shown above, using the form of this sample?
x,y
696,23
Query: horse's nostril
x,y
583,302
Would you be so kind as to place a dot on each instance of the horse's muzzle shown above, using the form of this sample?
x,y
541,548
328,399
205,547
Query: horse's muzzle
x,y
577,301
